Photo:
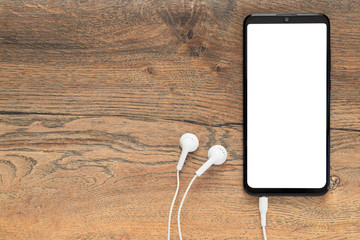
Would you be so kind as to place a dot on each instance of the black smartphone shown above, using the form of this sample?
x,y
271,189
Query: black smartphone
x,y
286,104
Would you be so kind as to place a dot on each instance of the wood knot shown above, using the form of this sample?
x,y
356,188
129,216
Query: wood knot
x,y
197,50
150,70
194,51
182,18
334,182
195,54
182,36
203,48
190,34
217,68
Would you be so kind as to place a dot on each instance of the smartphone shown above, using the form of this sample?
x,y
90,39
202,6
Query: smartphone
x,y
286,104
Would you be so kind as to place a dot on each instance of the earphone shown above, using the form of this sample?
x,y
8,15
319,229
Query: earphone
x,y
189,143
217,155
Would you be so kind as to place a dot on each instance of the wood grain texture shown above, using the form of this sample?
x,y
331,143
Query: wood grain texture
x,y
95,95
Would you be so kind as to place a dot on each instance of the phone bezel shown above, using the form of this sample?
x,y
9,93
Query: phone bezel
x,y
293,18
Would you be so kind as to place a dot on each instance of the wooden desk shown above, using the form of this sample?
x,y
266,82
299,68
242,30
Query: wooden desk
x,y
94,97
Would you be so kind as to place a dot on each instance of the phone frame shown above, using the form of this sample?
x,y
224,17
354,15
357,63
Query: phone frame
x,y
292,18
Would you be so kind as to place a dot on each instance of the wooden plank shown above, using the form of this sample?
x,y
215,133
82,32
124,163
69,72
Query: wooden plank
x,y
66,177
152,59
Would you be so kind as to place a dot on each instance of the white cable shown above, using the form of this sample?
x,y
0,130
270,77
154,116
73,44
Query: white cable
x,y
173,201
182,202
263,207
263,228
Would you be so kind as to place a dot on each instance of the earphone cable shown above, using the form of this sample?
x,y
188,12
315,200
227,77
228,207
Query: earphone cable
x,y
263,207
181,204
173,201
264,232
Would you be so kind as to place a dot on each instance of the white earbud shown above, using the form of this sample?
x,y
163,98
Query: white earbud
x,y
217,155
189,143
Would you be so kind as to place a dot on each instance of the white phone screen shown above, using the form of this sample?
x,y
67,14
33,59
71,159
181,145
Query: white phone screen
x,y
286,105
